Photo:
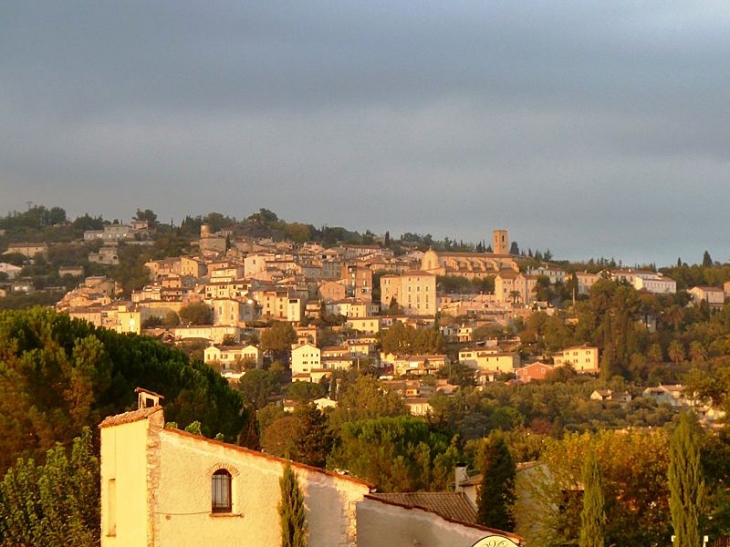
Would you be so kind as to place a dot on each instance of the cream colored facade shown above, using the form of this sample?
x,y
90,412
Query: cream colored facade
x,y
367,325
490,360
156,491
229,355
305,358
585,281
582,358
414,291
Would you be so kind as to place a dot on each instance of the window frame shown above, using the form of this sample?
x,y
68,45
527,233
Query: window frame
x,y
221,491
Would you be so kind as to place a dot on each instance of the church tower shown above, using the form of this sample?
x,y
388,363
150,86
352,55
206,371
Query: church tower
x,y
500,245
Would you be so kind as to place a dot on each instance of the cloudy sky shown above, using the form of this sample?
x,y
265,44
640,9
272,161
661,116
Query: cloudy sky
x,y
591,128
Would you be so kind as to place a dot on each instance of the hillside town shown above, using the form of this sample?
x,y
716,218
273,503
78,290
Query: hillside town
x,y
474,341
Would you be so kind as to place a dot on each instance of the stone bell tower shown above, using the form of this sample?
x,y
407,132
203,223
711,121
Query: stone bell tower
x,y
500,245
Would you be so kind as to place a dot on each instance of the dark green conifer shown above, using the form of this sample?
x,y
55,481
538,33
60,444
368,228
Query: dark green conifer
x,y
686,484
592,518
496,495
291,511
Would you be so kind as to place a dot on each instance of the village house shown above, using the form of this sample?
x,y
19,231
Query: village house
x,y
116,232
234,356
332,291
28,250
581,358
605,395
10,270
490,360
649,281
585,281
358,281
351,307
364,325
305,358
673,395
415,365
533,371
514,287
714,296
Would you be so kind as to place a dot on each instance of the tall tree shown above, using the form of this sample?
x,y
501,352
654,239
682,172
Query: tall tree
x,y
686,484
196,313
707,260
314,440
496,496
278,339
292,517
593,516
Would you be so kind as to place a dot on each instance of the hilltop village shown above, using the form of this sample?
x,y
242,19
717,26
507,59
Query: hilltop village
x,y
453,344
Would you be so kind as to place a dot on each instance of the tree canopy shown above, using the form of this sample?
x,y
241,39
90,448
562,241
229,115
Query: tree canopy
x,y
59,375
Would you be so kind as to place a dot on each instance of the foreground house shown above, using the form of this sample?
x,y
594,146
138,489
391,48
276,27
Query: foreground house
x,y
164,487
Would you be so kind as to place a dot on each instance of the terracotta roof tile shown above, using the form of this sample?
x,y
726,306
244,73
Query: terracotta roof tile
x,y
450,505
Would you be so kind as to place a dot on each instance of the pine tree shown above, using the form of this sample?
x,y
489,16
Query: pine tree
x,y
686,485
592,518
291,511
496,496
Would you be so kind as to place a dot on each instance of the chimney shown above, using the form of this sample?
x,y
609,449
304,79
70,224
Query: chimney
x,y
147,398
460,476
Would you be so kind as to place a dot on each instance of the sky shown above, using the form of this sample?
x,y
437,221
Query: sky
x,y
590,128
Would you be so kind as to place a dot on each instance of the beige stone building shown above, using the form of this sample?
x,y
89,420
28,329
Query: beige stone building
x,y
414,291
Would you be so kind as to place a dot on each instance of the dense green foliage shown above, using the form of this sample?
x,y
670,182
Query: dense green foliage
x,y
58,375
398,454
196,313
633,465
686,484
292,517
304,436
278,338
407,340
55,504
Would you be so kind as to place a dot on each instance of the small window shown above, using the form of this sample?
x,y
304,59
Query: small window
x,y
221,494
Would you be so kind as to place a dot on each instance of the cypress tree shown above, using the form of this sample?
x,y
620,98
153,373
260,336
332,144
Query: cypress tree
x,y
686,485
496,496
291,511
592,518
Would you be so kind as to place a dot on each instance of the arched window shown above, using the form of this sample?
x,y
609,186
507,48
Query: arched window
x,y
221,491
